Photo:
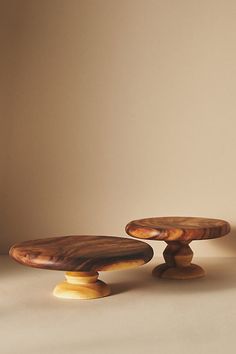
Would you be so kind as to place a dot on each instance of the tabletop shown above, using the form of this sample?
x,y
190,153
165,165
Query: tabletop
x,y
144,314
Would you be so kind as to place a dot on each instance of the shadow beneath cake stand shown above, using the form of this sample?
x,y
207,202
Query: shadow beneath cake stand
x,y
220,276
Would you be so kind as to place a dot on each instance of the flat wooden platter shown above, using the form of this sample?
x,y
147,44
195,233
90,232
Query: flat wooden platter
x,y
177,228
82,253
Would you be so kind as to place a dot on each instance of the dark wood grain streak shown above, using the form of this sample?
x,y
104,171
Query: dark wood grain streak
x,y
81,253
178,228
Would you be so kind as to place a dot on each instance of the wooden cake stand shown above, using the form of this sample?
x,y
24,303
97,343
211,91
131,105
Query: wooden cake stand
x,y
178,232
82,257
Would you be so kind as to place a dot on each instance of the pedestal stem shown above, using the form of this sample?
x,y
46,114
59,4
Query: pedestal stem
x,y
81,285
178,256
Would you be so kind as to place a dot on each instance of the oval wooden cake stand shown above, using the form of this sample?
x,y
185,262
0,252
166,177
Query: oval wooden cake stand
x,y
178,232
82,257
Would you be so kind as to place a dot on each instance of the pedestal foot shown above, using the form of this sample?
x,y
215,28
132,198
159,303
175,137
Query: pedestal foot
x,y
193,271
178,256
81,285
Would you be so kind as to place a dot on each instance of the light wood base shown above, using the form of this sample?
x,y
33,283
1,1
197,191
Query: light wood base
x,y
178,256
81,285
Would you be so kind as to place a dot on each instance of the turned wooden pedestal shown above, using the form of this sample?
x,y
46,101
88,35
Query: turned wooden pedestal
x,y
81,257
178,232
178,257
81,285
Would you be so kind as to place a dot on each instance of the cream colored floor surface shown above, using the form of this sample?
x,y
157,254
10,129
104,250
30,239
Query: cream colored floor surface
x,y
144,315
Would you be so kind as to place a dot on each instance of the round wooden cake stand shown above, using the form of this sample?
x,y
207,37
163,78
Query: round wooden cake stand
x,y
178,232
81,257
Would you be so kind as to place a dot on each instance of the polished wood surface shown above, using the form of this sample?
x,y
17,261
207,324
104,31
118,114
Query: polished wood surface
x,y
178,232
178,228
81,257
82,253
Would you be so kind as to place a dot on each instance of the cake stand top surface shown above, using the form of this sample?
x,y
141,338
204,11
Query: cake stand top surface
x,y
82,253
176,228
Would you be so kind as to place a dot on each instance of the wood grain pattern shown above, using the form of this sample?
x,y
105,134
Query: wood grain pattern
x,y
82,253
178,228
178,232
178,256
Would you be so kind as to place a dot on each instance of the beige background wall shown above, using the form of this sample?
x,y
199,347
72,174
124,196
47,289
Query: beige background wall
x,y
7,67
118,109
